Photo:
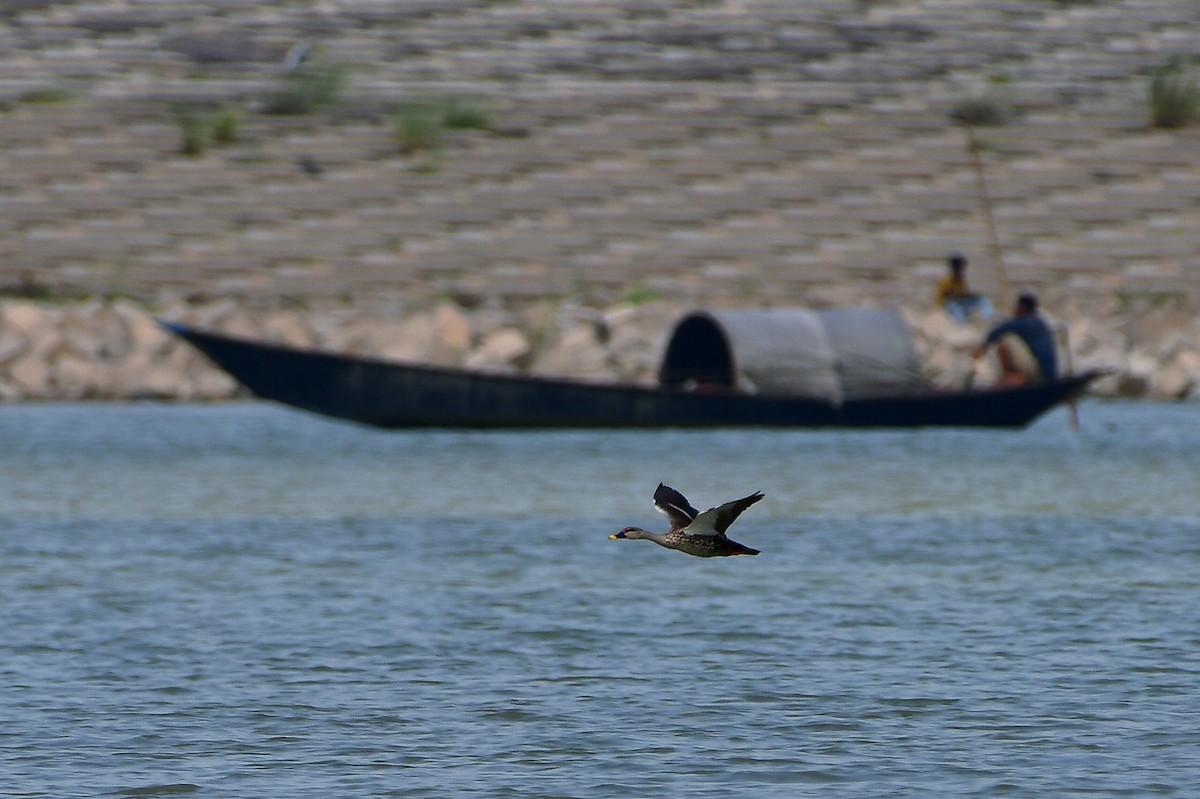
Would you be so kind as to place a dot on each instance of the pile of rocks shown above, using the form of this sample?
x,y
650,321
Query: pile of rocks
x,y
98,350
115,350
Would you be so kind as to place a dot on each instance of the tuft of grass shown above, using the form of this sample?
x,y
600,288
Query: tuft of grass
x,y
306,90
199,127
419,128
1157,300
51,95
467,117
1173,94
193,131
225,125
640,295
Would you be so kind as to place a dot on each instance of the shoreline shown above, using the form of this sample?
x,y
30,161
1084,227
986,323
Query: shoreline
x,y
114,349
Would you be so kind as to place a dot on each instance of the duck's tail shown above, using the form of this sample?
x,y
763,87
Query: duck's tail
x,y
741,549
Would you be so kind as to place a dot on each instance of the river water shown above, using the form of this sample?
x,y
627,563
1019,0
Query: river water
x,y
241,600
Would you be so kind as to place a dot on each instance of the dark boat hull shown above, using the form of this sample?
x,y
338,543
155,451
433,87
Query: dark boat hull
x,y
389,394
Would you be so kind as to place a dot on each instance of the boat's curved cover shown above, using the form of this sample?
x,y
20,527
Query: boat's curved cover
x,y
833,355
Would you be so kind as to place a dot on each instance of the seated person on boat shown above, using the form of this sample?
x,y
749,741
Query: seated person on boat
x,y
956,297
1024,345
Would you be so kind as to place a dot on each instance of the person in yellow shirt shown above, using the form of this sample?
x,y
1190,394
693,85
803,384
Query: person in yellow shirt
x,y
956,296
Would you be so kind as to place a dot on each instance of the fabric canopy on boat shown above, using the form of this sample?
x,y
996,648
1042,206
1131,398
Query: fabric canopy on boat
x,y
828,354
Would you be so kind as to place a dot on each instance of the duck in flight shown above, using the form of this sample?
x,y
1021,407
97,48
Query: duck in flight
x,y
693,532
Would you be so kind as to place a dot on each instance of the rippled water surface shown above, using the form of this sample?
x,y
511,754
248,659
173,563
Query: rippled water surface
x,y
241,600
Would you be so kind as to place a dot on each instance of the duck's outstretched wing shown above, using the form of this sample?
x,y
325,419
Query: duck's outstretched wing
x,y
715,521
675,505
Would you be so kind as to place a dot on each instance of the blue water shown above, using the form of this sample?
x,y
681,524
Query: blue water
x,y
241,600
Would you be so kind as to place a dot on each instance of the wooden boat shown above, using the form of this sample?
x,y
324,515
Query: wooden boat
x,y
704,382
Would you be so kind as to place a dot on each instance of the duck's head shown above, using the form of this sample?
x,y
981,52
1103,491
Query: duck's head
x,y
629,532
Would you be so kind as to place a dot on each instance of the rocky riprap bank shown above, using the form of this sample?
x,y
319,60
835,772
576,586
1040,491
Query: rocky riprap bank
x,y
115,349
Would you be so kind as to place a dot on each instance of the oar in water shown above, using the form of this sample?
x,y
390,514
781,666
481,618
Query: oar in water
x,y
1064,337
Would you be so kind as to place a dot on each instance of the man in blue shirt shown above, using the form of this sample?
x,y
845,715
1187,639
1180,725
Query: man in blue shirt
x,y
1024,344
